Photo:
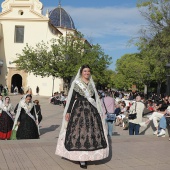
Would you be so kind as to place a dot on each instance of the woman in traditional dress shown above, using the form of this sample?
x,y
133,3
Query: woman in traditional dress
x,y
83,136
6,119
26,119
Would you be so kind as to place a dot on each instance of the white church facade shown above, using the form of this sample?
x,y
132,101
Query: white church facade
x,y
21,23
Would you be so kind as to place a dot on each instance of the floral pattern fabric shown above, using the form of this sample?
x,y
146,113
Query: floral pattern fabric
x,y
84,131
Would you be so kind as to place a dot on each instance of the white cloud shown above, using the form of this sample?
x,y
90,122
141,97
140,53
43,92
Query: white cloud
x,y
107,23
118,45
101,22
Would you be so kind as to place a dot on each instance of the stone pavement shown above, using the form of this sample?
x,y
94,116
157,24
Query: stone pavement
x,y
126,152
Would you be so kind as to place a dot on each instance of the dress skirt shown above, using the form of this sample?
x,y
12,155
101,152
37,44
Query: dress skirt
x,y
27,129
6,124
85,137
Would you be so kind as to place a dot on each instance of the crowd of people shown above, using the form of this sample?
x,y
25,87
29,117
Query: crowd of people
x,y
58,99
130,108
21,122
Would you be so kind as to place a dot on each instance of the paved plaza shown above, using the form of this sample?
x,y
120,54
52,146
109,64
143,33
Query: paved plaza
x,y
144,152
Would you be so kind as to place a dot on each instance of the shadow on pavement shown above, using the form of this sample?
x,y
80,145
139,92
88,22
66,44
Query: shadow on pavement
x,y
48,129
115,134
106,159
150,127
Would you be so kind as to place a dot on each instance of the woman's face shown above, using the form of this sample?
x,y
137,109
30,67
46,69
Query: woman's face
x,y
86,73
7,100
28,100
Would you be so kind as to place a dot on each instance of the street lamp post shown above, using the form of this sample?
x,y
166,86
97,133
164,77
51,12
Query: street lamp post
x,y
168,79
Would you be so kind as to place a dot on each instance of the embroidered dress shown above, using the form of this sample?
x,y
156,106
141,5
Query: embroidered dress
x,y
6,121
84,138
27,128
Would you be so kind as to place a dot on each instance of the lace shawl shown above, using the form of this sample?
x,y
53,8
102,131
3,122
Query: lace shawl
x,y
81,92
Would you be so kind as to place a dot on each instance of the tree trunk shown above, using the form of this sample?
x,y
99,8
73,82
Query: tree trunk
x,y
145,89
158,88
66,86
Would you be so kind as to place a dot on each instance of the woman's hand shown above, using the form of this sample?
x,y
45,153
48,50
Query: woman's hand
x,y
67,117
18,123
36,122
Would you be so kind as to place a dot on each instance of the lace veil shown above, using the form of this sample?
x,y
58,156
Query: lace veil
x,y
18,112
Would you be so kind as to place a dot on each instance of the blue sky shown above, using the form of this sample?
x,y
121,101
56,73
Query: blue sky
x,y
110,23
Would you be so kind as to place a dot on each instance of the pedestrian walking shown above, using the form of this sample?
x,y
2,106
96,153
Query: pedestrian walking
x,y
37,90
108,104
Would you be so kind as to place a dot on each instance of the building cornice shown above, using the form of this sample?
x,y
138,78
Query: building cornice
x,y
31,9
24,19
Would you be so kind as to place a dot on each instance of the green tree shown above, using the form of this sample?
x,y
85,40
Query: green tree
x,y
154,41
131,69
63,57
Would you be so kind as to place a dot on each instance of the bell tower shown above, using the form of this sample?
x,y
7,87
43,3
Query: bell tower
x,y
35,4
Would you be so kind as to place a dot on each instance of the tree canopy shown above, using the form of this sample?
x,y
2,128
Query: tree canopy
x,y
63,57
131,69
154,42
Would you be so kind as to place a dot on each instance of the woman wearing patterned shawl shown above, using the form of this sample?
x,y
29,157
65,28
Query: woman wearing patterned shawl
x,y
26,119
83,136
6,119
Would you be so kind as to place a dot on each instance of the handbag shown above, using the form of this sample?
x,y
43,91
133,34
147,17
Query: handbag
x,y
14,133
133,115
110,116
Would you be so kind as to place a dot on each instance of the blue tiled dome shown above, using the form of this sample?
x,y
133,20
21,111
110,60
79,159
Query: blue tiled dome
x,y
60,18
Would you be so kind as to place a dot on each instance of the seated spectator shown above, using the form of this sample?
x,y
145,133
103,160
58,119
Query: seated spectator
x,y
117,110
149,107
163,123
122,114
55,99
157,115
62,99
165,100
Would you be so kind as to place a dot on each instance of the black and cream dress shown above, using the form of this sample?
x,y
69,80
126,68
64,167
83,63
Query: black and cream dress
x,y
84,138
27,128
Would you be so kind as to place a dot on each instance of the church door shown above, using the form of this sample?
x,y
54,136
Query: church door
x,y
16,81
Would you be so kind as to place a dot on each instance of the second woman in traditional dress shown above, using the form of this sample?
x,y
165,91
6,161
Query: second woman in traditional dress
x,y
6,119
26,119
83,137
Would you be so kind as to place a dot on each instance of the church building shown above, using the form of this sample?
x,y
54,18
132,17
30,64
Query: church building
x,y
21,23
